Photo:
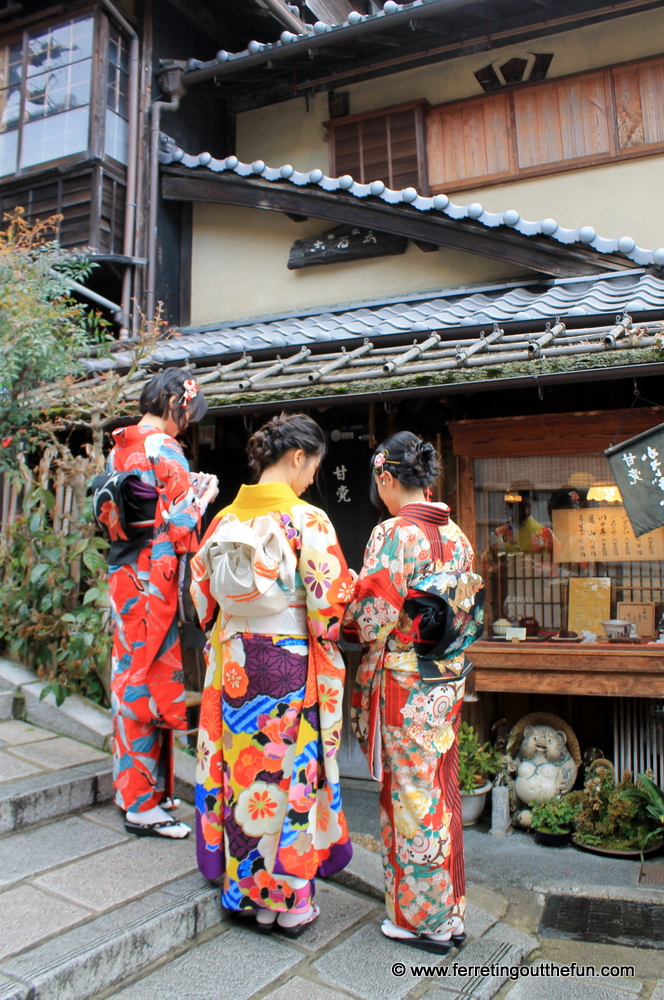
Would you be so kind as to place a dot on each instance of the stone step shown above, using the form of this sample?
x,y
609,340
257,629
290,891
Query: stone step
x,y
45,796
6,704
106,950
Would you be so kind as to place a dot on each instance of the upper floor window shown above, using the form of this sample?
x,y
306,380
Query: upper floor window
x,y
387,145
46,90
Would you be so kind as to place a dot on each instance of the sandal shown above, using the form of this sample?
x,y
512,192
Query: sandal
x,y
423,942
297,929
154,829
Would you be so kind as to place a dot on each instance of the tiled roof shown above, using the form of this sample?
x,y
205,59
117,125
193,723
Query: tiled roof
x,y
450,311
334,32
430,365
440,203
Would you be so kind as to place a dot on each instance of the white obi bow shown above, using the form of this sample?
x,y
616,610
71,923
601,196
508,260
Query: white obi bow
x,y
245,562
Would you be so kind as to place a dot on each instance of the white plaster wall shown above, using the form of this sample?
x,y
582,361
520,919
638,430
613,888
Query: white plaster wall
x,y
239,268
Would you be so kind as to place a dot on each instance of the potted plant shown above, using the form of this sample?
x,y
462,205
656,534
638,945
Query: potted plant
x,y
650,797
614,819
478,763
553,820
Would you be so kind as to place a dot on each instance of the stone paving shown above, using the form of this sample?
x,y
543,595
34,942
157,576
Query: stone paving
x,y
88,911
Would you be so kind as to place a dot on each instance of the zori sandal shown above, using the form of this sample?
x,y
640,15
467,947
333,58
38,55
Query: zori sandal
x,y
169,804
155,829
296,929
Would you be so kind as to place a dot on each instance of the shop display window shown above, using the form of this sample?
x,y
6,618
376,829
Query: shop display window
x,y
555,545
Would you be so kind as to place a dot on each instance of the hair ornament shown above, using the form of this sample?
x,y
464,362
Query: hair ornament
x,y
190,391
379,461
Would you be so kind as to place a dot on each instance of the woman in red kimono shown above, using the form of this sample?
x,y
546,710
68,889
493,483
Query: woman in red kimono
x,y
407,700
147,680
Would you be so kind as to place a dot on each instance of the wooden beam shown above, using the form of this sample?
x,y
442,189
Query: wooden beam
x,y
531,252
549,433
611,671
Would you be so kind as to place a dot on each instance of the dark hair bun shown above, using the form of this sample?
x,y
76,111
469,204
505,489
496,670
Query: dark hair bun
x,y
414,463
280,435
157,395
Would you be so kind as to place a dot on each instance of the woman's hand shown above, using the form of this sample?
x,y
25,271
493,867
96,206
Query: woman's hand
x,y
212,491
353,575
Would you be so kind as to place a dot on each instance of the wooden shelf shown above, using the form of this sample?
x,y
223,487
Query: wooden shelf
x,y
597,669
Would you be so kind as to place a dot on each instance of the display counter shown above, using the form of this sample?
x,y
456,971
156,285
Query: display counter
x,y
577,668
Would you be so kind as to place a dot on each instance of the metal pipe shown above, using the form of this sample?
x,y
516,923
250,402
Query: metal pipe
x,y
155,119
132,156
286,16
76,286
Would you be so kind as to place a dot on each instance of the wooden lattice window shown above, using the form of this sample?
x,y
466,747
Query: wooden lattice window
x,y
591,118
386,145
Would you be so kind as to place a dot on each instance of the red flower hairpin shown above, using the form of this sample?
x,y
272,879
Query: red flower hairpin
x,y
190,391
379,461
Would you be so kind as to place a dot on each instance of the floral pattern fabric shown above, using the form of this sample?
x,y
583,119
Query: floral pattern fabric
x,y
268,800
147,680
407,728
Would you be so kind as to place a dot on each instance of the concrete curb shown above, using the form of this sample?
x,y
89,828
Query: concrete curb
x,y
76,717
107,950
363,874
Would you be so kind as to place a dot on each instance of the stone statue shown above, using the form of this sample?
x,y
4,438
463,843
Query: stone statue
x,y
543,767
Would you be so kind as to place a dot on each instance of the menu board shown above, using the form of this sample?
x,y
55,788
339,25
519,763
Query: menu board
x,y
602,534
589,603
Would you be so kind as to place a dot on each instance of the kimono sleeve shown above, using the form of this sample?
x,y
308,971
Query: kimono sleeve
x,y
382,586
204,602
180,509
324,574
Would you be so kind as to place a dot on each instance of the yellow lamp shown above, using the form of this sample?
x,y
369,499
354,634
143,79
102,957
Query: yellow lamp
x,y
605,491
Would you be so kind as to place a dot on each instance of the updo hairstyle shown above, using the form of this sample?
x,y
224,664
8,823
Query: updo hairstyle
x,y
156,398
415,463
282,434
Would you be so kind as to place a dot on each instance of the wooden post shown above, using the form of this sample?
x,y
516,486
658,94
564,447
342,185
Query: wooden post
x,y
466,497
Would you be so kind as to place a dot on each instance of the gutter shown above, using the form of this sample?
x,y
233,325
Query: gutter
x,y
155,121
132,161
226,63
285,15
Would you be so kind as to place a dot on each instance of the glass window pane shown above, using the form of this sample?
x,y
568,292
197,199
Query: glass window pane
x,y
10,108
115,138
59,90
8,148
11,64
53,137
59,46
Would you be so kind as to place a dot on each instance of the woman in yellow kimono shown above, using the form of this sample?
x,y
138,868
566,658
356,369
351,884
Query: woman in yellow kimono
x,y
268,802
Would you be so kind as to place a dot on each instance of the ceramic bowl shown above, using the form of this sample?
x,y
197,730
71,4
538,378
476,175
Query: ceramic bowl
x,y
615,628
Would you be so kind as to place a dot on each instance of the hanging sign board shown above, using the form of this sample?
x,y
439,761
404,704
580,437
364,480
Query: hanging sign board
x,y
602,534
638,469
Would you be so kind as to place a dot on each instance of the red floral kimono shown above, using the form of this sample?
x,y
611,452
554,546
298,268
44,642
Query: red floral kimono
x,y
147,680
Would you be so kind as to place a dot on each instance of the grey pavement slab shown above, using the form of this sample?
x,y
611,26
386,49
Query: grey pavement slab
x,y
14,732
565,989
631,985
11,990
658,992
232,966
477,921
519,862
364,873
26,854
122,873
58,753
30,916
363,964
511,935
339,910
104,951
298,988
12,767
479,970
12,675
49,794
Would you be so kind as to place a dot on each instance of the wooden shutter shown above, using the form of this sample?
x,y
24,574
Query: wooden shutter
x,y
111,223
469,140
639,104
68,196
562,120
387,146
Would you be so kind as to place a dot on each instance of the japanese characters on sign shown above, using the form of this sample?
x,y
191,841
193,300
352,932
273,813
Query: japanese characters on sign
x,y
343,492
602,534
637,469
